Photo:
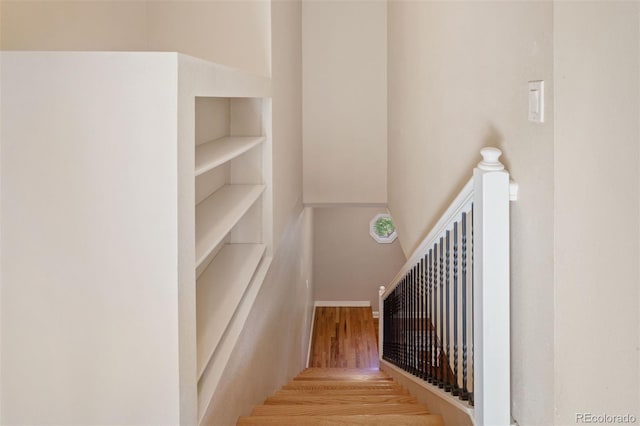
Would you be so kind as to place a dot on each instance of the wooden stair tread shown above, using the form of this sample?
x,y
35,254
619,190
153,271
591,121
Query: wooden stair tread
x,y
365,420
357,391
341,384
338,410
330,399
341,397
343,374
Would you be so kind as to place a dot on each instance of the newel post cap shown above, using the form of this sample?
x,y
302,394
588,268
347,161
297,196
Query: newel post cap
x,y
490,160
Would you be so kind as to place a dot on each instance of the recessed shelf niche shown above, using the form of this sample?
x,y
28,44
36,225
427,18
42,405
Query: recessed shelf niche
x,y
229,215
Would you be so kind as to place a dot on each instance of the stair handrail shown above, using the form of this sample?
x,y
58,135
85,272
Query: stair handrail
x,y
483,204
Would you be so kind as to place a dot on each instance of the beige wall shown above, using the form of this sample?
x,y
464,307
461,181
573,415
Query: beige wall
x,y
73,25
596,201
348,263
234,33
286,52
273,349
344,101
458,75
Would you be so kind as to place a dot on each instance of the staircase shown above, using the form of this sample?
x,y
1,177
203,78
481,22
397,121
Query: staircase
x,y
339,397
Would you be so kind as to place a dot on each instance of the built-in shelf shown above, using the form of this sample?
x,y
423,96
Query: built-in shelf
x,y
216,152
232,225
218,293
219,213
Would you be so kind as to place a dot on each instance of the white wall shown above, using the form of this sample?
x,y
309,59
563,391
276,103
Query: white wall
x,y
348,263
85,344
344,101
458,75
596,149
234,33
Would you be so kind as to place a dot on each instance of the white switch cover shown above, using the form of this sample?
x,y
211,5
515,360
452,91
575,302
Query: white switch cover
x,y
536,101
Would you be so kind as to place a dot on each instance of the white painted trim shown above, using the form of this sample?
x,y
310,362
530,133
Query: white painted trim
x,y
381,291
344,303
445,396
313,323
491,309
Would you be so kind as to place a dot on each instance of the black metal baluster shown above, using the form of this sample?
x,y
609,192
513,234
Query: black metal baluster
x,y
394,325
423,321
435,324
447,385
464,394
410,329
388,314
389,307
414,334
401,327
398,325
385,325
455,390
472,313
388,341
428,318
392,305
416,320
405,337
432,375
441,346
400,347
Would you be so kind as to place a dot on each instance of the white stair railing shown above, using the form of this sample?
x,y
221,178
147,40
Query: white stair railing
x,y
445,316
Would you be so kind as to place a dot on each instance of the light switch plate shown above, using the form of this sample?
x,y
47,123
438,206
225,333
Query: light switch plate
x,y
536,101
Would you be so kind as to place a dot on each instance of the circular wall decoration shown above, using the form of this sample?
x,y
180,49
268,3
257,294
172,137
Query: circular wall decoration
x,y
382,229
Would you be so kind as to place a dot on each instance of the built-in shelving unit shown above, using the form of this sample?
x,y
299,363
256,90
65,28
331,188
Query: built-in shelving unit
x,y
176,256
231,139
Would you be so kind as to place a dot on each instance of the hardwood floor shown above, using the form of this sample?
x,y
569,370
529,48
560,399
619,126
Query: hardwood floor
x,y
344,337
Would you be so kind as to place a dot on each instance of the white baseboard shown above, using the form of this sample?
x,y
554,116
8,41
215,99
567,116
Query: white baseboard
x,y
345,303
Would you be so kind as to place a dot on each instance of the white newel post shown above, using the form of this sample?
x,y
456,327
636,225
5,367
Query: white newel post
x,y
380,319
491,291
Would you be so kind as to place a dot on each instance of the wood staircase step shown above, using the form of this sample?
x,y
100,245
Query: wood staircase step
x,y
338,410
360,391
360,420
342,374
331,399
341,384
341,403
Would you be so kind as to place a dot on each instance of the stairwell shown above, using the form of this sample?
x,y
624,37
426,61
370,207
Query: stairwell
x,y
330,396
